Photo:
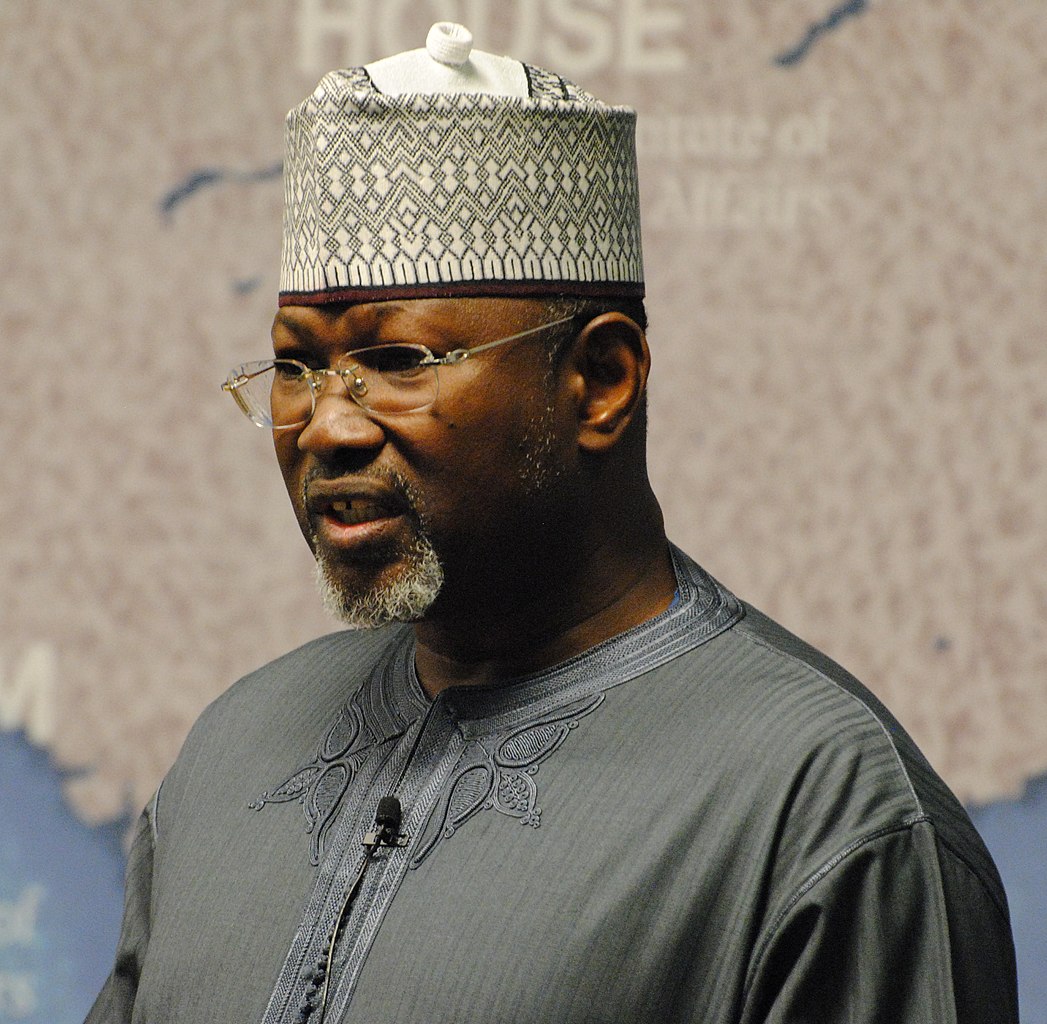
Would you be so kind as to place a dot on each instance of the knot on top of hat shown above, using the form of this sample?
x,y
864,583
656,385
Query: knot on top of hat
x,y
449,43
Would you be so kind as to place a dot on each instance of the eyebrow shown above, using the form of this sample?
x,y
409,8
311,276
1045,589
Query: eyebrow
x,y
300,330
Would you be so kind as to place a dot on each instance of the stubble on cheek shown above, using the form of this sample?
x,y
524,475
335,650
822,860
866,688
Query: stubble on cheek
x,y
538,468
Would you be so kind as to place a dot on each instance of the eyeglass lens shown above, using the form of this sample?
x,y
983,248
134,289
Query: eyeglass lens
x,y
386,379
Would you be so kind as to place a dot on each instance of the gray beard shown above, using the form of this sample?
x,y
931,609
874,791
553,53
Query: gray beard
x,y
404,599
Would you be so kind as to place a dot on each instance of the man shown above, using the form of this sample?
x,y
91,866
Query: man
x,y
563,775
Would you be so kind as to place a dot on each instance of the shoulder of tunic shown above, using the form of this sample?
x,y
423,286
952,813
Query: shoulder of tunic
x,y
838,727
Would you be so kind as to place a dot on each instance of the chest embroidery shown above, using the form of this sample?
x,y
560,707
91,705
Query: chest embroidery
x,y
320,785
494,771
498,773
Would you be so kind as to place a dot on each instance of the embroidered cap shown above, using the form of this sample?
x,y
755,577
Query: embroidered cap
x,y
448,171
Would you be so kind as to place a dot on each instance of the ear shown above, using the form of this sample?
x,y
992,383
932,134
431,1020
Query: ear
x,y
611,362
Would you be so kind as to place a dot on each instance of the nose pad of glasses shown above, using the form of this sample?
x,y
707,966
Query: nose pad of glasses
x,y
357,387
353,382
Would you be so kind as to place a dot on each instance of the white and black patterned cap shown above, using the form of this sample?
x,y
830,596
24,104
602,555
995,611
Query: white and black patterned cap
x,y
447,171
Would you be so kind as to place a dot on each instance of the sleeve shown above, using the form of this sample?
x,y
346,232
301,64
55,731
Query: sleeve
x,y
895,930
115,1003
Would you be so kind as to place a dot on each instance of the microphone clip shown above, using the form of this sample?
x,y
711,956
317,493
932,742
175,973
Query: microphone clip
x,y
384,837
386,831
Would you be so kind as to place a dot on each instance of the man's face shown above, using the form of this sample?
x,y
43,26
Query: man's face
x,y
395,507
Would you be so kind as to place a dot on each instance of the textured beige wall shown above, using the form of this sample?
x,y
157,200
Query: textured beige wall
x,y
845,257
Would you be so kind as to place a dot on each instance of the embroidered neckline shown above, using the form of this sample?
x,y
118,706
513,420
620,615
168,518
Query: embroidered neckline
x,y
391,701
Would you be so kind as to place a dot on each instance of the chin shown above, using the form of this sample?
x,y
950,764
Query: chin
x,y
401,592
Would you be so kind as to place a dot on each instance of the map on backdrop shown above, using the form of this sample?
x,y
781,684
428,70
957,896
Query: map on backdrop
x,y
843,228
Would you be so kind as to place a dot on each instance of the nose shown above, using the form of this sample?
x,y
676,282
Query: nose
x,y
338,422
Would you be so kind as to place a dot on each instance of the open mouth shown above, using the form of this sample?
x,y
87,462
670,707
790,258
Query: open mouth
x,y
358,517
353,511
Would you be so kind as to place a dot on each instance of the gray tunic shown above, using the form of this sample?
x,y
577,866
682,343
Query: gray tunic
x,y
701,820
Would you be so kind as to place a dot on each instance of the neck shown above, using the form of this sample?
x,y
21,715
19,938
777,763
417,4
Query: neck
x,y
548,610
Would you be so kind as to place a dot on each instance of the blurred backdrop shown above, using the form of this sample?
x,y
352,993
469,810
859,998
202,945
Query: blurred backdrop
x,y
844,226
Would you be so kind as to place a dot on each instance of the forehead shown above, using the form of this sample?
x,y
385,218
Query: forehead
x,y
456,321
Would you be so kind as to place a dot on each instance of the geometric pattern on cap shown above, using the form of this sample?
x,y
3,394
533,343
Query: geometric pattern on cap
x,y
466,193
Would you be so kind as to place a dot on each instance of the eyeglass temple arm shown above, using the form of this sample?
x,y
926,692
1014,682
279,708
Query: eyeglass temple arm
x,y
233,383
458,354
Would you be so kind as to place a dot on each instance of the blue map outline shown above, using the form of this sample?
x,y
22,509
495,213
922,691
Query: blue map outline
x,y
835,18
209,177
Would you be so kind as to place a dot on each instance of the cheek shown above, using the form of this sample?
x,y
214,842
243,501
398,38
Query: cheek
x,y
490,470
289,459
286,452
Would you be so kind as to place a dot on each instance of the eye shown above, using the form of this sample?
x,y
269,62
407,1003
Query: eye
x,y
288,369
392,360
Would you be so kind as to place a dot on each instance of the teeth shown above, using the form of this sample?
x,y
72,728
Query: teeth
x,y
358,511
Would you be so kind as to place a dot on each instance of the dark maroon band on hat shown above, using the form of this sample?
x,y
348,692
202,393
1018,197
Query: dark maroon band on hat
x,y
468,289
